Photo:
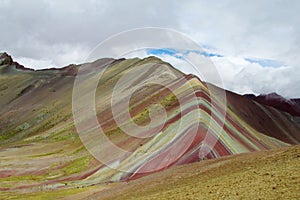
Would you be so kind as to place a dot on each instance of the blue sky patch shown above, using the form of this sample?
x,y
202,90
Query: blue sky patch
x,y
179,53
265,62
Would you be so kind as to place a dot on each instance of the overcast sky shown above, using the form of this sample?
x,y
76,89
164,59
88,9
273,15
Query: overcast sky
x,y
259,40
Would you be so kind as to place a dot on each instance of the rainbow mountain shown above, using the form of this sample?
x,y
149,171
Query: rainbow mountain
x,y
41,149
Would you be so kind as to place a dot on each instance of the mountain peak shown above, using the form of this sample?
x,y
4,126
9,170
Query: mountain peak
x,y
273,96
6,59
277,101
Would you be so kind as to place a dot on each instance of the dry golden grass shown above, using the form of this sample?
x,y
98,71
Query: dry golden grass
x,y
271,174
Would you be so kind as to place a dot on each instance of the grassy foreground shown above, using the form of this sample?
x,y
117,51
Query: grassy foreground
x,y
271,174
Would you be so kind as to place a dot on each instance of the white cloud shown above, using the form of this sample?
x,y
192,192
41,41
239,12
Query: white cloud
x,y
62,32
243,77
237,74
65,54
36,64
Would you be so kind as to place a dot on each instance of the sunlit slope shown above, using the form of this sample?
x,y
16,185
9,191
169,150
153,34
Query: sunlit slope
x,y
269,174
41,150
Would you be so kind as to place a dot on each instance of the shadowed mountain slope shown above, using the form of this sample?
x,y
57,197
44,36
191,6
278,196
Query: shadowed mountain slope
x,y
291,106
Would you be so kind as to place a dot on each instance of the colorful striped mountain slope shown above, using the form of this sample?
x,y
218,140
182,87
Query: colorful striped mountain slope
x,y
41,148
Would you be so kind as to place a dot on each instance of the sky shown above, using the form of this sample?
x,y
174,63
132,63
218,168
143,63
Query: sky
x,y
255,45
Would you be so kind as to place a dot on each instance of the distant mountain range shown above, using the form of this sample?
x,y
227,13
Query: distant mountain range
x,y
40,147
291,106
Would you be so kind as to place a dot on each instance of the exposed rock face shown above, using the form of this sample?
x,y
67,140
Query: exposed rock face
x,y
297,101
6,59
40,146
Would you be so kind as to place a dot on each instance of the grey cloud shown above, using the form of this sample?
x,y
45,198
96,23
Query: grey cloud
x,y
36,29
66,31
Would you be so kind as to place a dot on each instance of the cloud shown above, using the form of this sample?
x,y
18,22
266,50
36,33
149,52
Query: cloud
x,y
37,29
242,76
61,32
237,74
38,64
265,62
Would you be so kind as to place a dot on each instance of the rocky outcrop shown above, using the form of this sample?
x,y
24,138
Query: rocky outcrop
x,y
6,59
